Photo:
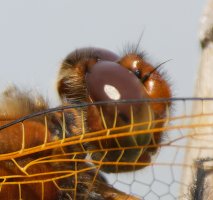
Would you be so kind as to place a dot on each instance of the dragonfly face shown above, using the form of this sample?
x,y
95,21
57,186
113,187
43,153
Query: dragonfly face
x,y
93,75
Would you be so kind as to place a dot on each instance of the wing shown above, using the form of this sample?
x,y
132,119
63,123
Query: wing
x,y
39,162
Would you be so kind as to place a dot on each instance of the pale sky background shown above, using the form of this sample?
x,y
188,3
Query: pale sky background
x,y
36,35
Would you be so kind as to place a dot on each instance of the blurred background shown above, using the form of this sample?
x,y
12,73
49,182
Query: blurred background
x,y
35,36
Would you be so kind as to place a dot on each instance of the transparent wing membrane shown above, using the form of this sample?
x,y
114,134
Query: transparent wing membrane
x,y
55,155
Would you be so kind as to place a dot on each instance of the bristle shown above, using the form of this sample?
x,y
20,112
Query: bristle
x,y
133,49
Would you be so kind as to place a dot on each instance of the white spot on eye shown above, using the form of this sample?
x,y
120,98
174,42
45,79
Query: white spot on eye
x,y
112,92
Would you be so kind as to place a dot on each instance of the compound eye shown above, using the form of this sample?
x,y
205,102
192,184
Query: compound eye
x,y
107,81
110,81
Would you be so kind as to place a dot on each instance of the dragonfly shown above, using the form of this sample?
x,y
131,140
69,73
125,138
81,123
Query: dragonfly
x,y
114,136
